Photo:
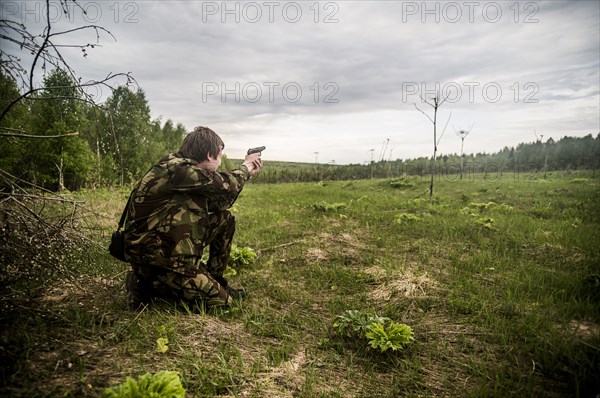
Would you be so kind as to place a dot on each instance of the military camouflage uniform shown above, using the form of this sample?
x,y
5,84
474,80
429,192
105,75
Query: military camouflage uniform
x,y
176,211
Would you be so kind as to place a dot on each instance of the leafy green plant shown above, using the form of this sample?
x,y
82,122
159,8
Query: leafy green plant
x,y
400,183
482,206
242,255
380,332
355,322
475,209
406,217
165,384
162,344
468,211
394,336
326,207
487,222
229,272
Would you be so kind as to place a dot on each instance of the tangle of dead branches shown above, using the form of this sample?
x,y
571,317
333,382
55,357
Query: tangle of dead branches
x,y
41,238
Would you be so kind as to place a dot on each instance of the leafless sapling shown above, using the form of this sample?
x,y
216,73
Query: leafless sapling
x,y
435,103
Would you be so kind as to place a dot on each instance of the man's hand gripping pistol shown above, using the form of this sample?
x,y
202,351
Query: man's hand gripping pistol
x,y
255,164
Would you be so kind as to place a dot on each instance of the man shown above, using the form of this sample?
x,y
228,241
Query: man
x,y
178,208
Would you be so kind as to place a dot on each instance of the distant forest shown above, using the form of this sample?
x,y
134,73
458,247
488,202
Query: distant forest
x,y
114,144
535,158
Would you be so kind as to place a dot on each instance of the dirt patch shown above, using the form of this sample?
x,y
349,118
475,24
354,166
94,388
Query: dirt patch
x,y
583,329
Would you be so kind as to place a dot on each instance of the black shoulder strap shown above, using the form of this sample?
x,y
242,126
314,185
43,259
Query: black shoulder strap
x,y
124,215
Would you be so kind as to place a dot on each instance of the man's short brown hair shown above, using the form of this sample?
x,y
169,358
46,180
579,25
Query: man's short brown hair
x,y
201,142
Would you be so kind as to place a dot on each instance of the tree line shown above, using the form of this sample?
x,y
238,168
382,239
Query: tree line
x,y
93,146
526,159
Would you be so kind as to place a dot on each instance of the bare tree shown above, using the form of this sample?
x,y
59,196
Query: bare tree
x,y
435,103
47,54
384,146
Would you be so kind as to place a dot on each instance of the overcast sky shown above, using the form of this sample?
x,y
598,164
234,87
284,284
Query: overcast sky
x,y
341,78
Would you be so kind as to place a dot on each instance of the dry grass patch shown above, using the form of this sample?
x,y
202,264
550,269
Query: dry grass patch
x,y
344,245
286,379
376,271
316,254
201,334
407,285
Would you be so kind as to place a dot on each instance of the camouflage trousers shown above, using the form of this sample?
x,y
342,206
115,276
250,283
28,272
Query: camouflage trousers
x,y
200,282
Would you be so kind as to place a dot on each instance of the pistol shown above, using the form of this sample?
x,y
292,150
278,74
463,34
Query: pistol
x,y
258,149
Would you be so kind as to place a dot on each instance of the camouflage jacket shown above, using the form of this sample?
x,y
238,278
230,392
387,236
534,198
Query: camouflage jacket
x,y
168,212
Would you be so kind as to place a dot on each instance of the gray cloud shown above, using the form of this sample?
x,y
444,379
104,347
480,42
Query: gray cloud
x,y
366,60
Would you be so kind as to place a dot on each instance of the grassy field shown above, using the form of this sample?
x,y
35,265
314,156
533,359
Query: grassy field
x,y
499,280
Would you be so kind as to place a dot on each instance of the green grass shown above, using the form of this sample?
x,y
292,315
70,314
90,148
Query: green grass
x,y
502,308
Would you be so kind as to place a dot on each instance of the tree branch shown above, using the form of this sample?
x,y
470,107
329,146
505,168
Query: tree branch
x,y
46,52
444,130
43,46
37,136
426,115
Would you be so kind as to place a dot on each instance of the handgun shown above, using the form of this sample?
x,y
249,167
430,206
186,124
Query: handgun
x,y
258,149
